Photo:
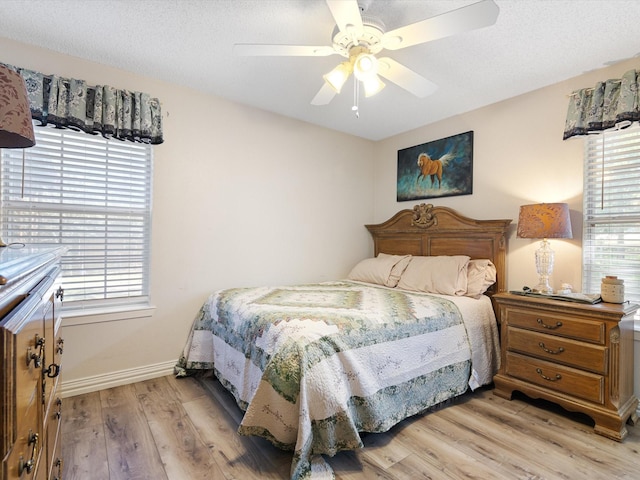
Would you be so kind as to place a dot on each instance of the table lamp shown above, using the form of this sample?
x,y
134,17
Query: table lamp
x,y
544,220
16,128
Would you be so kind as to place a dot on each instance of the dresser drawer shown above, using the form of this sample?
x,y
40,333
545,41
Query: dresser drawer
x,y
567,380
28,366
23,460
558,324
558,349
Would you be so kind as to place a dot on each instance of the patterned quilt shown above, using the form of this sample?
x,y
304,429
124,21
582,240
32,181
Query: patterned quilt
x,y
314,365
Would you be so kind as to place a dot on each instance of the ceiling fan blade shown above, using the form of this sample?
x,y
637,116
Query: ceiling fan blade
x,y
324,95
346,13
257,50
477,15
405,77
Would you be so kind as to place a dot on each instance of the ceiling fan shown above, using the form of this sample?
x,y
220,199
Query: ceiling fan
x,y
359,38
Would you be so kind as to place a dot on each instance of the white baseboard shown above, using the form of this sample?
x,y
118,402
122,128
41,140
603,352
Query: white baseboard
x,y
115,379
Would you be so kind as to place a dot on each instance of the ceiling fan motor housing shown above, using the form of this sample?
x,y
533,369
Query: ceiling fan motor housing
x,y
370,37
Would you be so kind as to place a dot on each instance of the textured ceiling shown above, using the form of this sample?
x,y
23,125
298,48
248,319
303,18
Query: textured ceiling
x,y
534,43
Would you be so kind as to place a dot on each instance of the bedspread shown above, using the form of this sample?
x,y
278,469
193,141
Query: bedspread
x,y
314,365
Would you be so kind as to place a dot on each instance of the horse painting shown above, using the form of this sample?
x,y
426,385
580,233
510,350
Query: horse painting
x,y
432,168
444,168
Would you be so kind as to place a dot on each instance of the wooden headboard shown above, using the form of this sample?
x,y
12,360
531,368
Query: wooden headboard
x,y
429,230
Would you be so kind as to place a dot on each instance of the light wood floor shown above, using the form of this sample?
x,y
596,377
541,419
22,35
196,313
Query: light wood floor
x,y
185,429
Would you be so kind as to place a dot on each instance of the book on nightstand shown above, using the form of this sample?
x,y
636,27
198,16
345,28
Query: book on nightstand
x,y
590,298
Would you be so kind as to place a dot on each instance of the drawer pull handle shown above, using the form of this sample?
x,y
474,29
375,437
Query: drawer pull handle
x,y
59,465
539,372
550,327
60,293
58,414
37,358
53,371
60,347
553,352
29,464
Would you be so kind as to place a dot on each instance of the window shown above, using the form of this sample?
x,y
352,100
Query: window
x,y
91,195
611,235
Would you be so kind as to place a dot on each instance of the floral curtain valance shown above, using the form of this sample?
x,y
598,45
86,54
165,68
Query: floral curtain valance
x,y
100,109
610,104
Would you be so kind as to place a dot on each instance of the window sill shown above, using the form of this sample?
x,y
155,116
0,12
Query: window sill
x,y
72,318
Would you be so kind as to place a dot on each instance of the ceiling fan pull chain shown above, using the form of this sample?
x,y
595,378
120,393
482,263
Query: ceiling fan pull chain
x,y
356,91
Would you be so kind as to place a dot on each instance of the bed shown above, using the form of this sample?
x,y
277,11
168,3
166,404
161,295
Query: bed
x,y
314,366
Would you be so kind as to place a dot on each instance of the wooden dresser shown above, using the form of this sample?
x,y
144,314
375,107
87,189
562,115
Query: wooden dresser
x,y
31,349
578,356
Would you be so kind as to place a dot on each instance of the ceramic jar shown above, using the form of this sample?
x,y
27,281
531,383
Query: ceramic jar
x,y
612,289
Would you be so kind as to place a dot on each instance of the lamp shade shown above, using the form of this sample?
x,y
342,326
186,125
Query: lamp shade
x,y
544,220
372,85
16,129
338,76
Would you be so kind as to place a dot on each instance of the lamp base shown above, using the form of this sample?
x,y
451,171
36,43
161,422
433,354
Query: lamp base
x,y
544,288
544,267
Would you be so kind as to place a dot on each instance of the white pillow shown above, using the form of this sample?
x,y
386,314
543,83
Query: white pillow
x,y
481,274
436,274
381,270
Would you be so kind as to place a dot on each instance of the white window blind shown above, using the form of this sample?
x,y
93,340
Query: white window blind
x,y
91,195
611,234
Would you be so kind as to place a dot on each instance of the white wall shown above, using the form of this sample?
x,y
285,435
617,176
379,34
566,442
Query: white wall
x,y
241,197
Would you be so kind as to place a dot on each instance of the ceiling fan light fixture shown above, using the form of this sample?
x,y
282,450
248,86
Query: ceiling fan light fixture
x,y
372,85
359,37
365,66
337,77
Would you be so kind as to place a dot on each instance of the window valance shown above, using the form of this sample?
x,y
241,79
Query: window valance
x,y
610,104
99,109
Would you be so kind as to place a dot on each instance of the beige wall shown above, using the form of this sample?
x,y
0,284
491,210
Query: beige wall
x,y
241,197
519,158
245,197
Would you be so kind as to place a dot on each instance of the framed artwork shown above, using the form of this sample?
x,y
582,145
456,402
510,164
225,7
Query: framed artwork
x,y
441,168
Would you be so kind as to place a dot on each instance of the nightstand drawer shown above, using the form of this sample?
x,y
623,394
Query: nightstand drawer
x,y
558,324
570,381
557,349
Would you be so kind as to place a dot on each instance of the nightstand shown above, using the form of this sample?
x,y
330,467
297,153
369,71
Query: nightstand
x,y
579,356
